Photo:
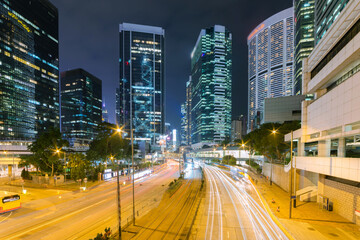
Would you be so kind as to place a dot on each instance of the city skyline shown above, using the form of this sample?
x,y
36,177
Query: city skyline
x,y
182,26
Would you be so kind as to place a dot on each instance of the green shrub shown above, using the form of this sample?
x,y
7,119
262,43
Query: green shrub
x,y
25,174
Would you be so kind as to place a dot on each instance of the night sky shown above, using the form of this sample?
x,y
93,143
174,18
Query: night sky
x,y
89,32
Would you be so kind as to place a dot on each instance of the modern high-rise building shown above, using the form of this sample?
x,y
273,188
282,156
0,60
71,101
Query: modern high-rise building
x,y
238,128
81,105
105,114
270,63
211,76
140,101
326,13
304,37
188,111
183,124
29,69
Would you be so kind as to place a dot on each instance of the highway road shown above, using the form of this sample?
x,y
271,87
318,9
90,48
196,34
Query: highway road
x,y
233,210
81,215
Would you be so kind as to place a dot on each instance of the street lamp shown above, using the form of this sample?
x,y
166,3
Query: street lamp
x,y
118,130
58,151
271,170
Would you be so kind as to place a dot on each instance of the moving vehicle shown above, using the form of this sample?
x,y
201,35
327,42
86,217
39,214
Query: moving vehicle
x,y
9,201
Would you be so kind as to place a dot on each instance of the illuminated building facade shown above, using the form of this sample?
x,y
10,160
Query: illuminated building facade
x,y
326,13
183,124
81,105
304,37
211,76
105,114
188,111
29,69
270,63
140,96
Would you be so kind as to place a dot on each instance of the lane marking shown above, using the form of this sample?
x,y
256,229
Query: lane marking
x,y
6,217
56,220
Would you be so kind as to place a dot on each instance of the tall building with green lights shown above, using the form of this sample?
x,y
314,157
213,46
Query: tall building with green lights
x,y
326,12
304,37
29,70
211,76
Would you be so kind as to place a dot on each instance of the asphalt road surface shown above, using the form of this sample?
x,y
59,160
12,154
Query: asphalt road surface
x,y
232,210
81,215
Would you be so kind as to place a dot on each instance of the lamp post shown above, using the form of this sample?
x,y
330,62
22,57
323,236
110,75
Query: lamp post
x,y
272,132
58,151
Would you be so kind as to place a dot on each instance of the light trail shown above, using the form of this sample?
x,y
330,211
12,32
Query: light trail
x,y
262,225
219,207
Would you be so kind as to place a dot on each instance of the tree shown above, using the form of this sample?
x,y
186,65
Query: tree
x,y
228,159
268,140
79,165
44,156
108,143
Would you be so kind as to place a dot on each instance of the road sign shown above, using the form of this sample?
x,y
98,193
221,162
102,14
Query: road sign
x,y
293,197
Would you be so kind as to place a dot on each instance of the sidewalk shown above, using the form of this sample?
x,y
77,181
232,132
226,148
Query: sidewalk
x,y
308,220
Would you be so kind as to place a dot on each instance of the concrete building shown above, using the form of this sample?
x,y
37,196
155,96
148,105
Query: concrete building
x,y
328,153
283,109
238,128
270,63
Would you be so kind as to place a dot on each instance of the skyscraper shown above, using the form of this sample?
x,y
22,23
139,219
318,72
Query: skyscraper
x,y
270,63
188,111
304,37
211,76
326,13
140,96
183,124
29,69
81,105
105,114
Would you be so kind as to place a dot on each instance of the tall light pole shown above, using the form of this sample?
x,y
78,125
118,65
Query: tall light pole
x,y
118,130
273,132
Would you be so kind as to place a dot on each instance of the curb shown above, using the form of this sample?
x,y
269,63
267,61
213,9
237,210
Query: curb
x,y
267,208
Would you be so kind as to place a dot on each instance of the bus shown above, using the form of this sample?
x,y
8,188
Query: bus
x,y
9,201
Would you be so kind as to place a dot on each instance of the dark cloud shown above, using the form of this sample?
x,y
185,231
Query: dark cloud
x,y
89,39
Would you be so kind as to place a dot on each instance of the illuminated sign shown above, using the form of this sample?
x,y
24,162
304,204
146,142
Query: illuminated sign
x,y
19,21
256,30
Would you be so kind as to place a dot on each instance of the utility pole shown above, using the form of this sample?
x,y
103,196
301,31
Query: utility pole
x,y
291,172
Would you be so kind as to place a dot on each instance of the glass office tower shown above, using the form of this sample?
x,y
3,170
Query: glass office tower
x,y
326,12
140,96
304,37
29,68
81,105
188,107
211,76
270,63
